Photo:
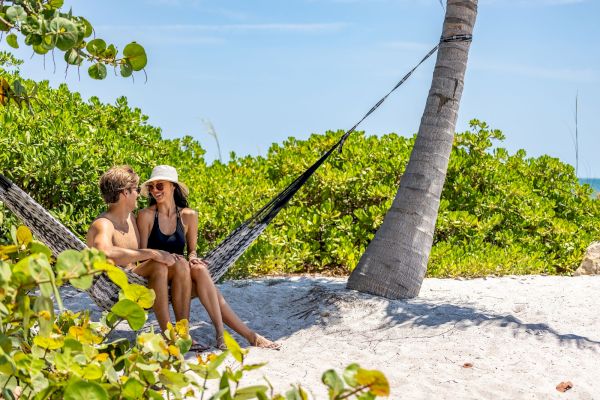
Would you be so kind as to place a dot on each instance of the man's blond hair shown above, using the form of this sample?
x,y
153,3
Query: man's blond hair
x,y
115,180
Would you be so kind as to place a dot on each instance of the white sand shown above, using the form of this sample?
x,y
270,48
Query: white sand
x,y
523,335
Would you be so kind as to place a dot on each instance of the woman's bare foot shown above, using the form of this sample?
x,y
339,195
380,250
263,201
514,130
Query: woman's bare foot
x,y
261,341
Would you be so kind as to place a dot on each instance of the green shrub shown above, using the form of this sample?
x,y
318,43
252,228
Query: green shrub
x,y
58,153
500,213
509,214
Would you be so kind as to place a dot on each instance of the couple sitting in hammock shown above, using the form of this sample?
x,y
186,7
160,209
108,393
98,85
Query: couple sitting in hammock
x,y
143,246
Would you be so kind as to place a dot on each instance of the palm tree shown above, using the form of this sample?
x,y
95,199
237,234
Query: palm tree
x,y
395,261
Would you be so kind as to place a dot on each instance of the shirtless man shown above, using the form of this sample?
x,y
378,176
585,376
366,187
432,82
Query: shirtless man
x,y
115,233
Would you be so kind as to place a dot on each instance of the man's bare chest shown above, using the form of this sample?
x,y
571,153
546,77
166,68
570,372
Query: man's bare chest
x,y
127,238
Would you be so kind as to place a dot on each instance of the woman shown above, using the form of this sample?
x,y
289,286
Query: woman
x,y
169,212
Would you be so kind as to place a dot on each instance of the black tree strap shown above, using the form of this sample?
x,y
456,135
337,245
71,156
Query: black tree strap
x,y
464,37
454,38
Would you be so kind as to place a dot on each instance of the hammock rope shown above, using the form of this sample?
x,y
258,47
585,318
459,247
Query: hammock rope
x,y
229,250
104,292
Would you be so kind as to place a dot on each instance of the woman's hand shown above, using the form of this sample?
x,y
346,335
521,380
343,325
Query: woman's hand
x,y
194,260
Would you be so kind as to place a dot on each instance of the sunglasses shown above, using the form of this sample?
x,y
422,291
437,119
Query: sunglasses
x,y
160,186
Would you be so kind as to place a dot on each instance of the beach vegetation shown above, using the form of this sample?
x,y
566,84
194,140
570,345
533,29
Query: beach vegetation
x,y
501,212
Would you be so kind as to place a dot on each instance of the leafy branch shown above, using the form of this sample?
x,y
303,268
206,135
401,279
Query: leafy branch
x,y
46,28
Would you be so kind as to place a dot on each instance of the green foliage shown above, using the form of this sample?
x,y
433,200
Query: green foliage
x,y
44,355
365,384
67,355
509,214
46,28
331,219
58,153
500,213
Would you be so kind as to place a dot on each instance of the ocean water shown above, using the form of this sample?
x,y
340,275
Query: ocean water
x,y
593,182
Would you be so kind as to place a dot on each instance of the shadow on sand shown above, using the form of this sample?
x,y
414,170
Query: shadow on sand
x,y
302,301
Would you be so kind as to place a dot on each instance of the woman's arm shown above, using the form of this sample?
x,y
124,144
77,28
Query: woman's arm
x,y
144,225
190,221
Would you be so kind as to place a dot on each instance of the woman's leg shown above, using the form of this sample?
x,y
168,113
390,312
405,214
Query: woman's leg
x,y
157,275
234,322
208,295
204,286
181,287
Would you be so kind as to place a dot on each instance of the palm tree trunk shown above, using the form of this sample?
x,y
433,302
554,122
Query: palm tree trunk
x,y
395,261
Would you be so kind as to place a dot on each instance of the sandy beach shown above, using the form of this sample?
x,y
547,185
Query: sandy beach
x,y
514,337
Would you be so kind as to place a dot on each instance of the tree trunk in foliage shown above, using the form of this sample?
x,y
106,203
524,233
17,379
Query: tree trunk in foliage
x,y
395,261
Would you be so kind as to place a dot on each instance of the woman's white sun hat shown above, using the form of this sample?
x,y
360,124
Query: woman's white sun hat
x,y
164,173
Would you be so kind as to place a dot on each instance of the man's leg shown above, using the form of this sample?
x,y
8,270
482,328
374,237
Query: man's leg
x,y
158,280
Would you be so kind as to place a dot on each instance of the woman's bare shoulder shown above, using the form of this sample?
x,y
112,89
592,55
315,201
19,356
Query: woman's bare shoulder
x,y
188,214
188,211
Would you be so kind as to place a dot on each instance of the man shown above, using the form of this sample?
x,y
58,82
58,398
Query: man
x,y
116,234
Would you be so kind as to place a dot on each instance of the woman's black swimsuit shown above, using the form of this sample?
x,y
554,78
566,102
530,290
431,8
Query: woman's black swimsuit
x,y
174,243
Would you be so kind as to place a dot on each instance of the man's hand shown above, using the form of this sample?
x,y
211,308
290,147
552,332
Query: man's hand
x,y
164,257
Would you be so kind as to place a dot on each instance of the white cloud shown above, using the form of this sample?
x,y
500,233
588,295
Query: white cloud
x,y
560,74
227,13
183,40
206,8
232,28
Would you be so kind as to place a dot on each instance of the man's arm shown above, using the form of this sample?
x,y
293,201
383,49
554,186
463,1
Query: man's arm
x,y
100,237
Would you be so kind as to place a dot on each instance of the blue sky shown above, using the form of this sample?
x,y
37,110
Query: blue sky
x,y
261,71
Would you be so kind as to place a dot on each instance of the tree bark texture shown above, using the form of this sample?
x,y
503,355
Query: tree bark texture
x,y
395,262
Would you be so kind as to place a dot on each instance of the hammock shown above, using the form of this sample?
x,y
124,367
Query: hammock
x,y
104,292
